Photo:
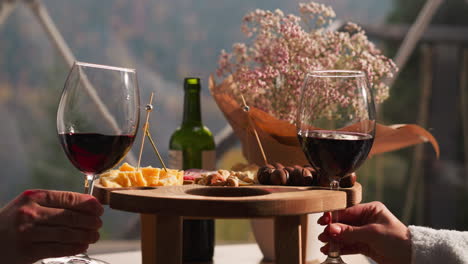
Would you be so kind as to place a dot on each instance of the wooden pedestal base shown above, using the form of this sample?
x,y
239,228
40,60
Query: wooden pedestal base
x,y
164,208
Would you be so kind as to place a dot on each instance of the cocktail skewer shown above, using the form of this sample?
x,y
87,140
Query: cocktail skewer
x,y
246,109
148,108
155,148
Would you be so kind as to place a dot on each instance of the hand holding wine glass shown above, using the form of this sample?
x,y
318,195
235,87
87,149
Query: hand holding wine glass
x,y
369,229
336,127
45,223
97,121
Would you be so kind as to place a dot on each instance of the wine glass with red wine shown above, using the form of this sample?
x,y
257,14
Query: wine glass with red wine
x,y
336,127
97,121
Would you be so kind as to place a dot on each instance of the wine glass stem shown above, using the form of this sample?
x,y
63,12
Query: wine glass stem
x,y
334,250
89,184
88,189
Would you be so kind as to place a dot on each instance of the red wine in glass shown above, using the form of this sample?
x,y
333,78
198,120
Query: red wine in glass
x,y
94,153
335,153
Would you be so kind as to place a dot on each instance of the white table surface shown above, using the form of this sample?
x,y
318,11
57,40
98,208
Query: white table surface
x,y
224,254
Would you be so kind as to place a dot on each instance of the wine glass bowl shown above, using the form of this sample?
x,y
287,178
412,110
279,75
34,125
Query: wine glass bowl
x,y
336,127
98,116
97,121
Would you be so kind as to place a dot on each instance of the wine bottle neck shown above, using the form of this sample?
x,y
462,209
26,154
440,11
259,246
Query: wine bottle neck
x,y
192,109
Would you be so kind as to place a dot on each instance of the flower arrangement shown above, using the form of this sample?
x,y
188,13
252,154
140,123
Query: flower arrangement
x,y
269,71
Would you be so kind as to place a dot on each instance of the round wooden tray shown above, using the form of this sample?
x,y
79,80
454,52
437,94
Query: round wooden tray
x,y
229,202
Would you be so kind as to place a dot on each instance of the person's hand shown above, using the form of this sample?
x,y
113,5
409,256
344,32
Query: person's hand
x,y
369,229
41,224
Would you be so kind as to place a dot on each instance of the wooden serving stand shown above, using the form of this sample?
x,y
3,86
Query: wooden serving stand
x,y
162,210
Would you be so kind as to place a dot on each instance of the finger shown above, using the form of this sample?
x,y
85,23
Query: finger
x,y
51,250
336,229
68,200
359,214
325,249
324,237
352,234
352,215
57,234
67,218
324,219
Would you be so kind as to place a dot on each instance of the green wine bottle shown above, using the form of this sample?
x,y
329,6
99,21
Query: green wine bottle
x,y
192,147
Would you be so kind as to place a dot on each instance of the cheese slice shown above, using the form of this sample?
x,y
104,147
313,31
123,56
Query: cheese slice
x,y
109,183
127,167
128,176
170,177
151,175
136,178
108,179
122,179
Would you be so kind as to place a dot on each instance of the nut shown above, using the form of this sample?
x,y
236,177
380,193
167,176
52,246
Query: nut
x,y
214,179
201,181
247,180
243,176
232,181
224,173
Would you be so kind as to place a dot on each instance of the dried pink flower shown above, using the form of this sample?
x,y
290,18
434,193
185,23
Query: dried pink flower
x,y
269,71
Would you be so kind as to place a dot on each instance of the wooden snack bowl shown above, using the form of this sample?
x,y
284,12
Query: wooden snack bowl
x,y
162,210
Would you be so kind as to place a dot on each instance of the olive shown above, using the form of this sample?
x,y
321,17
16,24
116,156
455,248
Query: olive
x,y
279,177
348,181
296,178
263,174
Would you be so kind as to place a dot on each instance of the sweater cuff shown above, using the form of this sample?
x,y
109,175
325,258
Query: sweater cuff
x,y
438,246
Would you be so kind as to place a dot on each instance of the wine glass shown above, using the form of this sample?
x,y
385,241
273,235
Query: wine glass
x,y
336,127
97,121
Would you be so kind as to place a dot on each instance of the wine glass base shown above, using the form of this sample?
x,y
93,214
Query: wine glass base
x,y
334,260
72,260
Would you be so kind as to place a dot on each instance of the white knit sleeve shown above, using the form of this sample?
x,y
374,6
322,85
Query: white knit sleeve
x,y
438,246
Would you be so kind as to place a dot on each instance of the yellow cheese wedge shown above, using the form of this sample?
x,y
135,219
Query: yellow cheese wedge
x,y
151,175
127,167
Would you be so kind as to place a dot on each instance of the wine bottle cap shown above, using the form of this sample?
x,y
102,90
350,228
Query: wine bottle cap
x,y
192,83
192,80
